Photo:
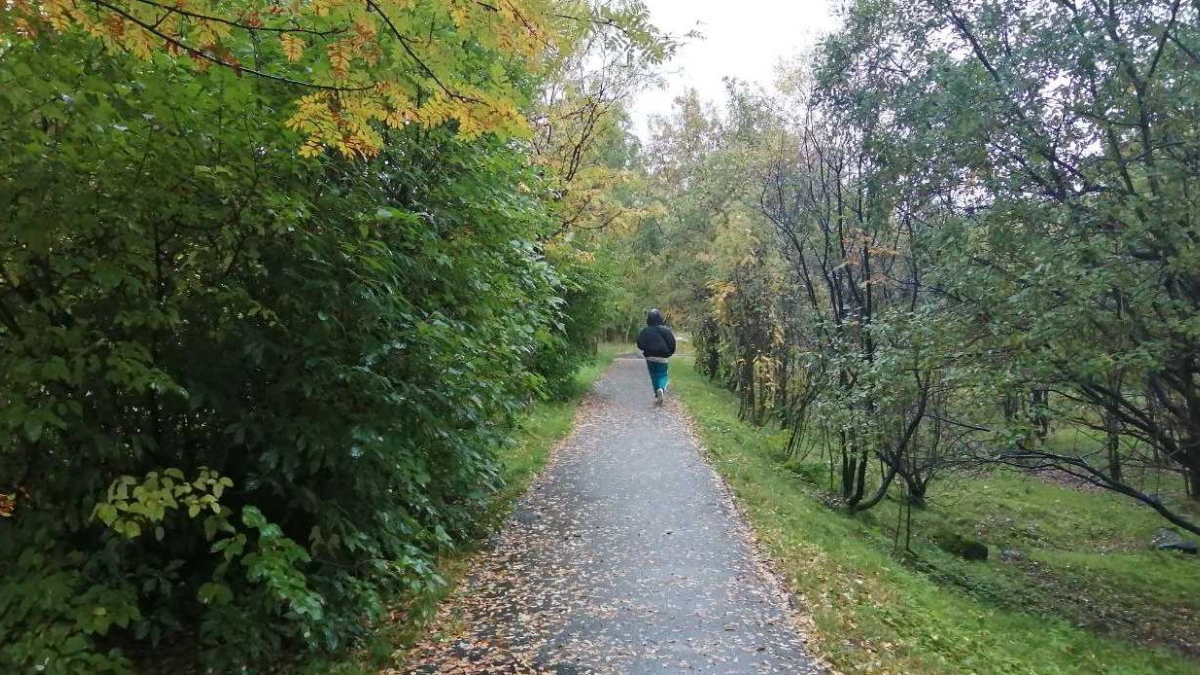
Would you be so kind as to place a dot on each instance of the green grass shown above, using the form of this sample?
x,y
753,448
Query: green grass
x,y
1169,485
876,612
543,426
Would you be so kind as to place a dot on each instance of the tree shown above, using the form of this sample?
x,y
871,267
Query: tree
x,y
245,397
359,64
1058,140
378,61
249,394
988,213
580,124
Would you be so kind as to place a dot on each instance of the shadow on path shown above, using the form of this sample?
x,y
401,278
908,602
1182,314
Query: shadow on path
x,y
626,556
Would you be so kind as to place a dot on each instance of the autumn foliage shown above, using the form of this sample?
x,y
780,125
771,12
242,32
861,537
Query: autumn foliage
x,y
277,281
353,64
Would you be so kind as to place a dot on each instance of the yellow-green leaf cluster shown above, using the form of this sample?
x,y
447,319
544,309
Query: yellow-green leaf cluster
x,y
391,62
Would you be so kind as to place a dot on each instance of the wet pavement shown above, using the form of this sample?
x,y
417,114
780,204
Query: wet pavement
x,y
626,556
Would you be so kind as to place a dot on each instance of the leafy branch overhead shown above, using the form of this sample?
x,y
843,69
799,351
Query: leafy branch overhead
x,y
361,64
393,62
580,122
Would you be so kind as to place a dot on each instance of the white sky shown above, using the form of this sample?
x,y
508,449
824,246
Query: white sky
x,y
742,38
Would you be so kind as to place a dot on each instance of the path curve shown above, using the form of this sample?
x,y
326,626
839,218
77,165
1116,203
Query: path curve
x,y
626,556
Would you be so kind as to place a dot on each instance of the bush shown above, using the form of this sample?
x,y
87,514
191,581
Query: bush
x,y
585,309
244,397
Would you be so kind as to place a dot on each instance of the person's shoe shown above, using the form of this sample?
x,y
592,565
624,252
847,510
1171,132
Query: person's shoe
x,y
658,395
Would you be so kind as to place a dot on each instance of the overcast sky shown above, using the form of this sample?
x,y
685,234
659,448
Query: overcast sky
x,y
742,38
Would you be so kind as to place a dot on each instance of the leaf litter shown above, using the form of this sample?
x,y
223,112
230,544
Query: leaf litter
x,y
627,555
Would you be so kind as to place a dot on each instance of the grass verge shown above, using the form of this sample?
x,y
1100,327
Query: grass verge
x,y
875,613
542,428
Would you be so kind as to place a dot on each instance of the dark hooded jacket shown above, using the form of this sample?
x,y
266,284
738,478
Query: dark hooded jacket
x,y
656,340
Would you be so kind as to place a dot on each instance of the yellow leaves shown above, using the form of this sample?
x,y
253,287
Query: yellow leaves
x,y
293,47
340,55
356,65
61,14
326,7
115,26
399,109
342,121
365,33
206,33
312,147
398,117
721,291
358,138
314,117
558,249
25,29
461,14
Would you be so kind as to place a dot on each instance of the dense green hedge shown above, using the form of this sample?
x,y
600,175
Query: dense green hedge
x,y
243,396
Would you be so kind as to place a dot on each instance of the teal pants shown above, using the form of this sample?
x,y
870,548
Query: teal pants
x,y
658,375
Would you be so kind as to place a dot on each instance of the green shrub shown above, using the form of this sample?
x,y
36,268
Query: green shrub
x,y
586,308
244,397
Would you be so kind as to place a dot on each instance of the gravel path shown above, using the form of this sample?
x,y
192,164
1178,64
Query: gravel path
x,y
626,556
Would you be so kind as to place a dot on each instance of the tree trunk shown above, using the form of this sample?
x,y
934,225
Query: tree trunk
x,y
746,411
1038,400
880,493
916,493
859,481
1011,407
848,470
1114,446
1191,462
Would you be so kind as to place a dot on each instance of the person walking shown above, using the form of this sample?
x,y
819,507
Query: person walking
x,y
657,343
